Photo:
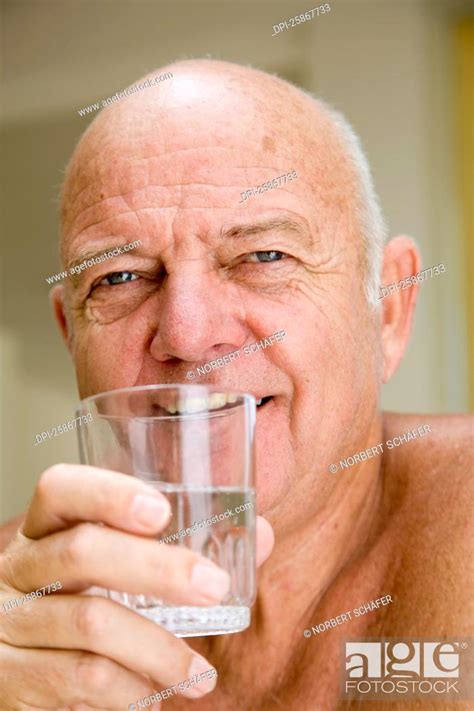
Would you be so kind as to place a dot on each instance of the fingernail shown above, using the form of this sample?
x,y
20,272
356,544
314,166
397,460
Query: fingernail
x,y
150,511
210,581
199,676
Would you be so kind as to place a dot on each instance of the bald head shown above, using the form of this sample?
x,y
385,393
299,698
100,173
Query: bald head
x,y
227,109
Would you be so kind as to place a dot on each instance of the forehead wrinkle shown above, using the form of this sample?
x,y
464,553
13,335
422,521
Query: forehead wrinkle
x,y
96,184
153,163
102,219
305,130
94,170
114,123
135,194
164,155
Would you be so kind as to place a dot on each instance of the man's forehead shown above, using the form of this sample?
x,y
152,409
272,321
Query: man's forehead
x,y
208,125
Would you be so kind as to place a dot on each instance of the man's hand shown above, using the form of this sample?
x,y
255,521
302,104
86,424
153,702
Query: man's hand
x,y
68,649
8,530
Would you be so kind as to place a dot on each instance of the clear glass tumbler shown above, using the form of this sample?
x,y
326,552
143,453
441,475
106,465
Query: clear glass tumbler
x,y
195,443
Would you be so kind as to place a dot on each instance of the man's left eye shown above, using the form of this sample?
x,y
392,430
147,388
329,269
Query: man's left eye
x,y
117,278
271,256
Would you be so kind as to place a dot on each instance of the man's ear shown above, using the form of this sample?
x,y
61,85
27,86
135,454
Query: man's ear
x,y
401,260
57,297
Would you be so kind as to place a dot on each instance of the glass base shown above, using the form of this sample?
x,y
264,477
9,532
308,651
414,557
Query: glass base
x,y
185,621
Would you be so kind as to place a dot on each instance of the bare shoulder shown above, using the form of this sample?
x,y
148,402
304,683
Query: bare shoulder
x,y
429,492
429,449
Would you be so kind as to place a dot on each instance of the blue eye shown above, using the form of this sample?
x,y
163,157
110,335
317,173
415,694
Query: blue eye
x,y
270,256
118,278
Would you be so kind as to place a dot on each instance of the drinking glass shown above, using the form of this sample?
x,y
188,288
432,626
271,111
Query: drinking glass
x,y
195,444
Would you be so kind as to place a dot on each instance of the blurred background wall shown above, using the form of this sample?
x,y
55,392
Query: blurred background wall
x,y
389,66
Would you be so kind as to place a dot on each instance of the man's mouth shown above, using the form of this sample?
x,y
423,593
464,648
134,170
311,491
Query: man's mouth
x,y
263,401
215,402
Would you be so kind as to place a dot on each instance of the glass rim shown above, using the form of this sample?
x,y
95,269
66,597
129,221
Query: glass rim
x,y
247,399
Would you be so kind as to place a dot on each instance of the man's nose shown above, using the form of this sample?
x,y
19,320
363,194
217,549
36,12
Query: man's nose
x,y
201,317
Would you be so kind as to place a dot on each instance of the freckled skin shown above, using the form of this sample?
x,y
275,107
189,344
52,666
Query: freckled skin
x,y
268,144
168,166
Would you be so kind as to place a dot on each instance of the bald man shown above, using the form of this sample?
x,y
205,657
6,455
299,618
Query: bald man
x,y
219,268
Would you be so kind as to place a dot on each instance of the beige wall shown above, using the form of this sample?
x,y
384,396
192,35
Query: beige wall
x,y
387,65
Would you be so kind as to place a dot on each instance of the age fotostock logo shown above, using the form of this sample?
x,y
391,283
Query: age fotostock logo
x,y
395,668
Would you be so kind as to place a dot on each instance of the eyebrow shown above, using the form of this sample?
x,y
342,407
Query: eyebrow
x,y
91,254
282,225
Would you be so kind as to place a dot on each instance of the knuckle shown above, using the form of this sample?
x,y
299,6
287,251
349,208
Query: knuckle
x,y
48,480
90,619
175,569
167,562
160,565
78,547
92,673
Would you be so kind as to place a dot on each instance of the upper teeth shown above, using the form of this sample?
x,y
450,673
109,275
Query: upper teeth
x,y
259,402
200,404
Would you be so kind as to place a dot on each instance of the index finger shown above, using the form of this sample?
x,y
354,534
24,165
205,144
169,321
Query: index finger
x,y
69,493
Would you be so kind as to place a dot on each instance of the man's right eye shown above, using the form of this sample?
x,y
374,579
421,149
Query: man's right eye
x,y
117,278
